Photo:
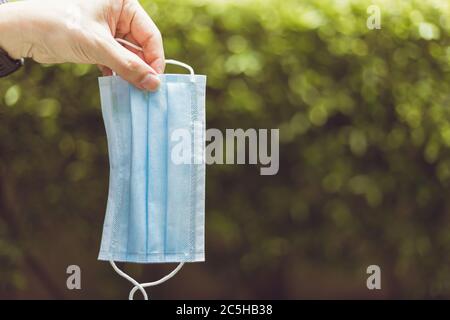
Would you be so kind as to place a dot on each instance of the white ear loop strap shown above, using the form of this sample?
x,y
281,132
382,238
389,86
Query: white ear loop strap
x,y
141,286
169,61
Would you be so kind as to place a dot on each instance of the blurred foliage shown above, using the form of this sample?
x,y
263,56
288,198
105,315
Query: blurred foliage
x,y
364,121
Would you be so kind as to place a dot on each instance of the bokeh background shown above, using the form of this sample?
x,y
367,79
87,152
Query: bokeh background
x,y
364,118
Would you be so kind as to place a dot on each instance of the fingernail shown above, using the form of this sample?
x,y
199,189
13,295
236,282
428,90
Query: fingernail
x,y
150,82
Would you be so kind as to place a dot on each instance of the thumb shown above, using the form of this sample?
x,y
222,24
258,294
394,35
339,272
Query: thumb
x,y
128,65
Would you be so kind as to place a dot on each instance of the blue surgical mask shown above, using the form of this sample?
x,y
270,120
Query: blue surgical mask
x,y
155,209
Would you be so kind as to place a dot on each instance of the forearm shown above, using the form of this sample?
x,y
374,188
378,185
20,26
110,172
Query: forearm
x,y
14,24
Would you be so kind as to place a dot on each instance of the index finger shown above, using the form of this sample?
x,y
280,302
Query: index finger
x,y
148,36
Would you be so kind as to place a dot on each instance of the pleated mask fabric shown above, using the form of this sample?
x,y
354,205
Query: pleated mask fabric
x,y
155,209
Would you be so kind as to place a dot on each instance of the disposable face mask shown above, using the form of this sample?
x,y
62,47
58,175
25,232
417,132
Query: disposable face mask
x,y
155,208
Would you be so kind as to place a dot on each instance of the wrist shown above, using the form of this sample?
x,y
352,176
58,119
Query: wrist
x,y
16,28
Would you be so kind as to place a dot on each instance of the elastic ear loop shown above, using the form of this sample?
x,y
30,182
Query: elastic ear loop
x,y
170,61
141,286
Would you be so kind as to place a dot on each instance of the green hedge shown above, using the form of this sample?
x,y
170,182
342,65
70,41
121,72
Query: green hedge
x,y
364,174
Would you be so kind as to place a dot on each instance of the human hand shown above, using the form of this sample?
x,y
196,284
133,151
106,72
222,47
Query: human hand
x,y
83,31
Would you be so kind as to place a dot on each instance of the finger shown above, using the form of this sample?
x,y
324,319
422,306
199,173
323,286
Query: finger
x,y
105,70
128,65
129,37
147,35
